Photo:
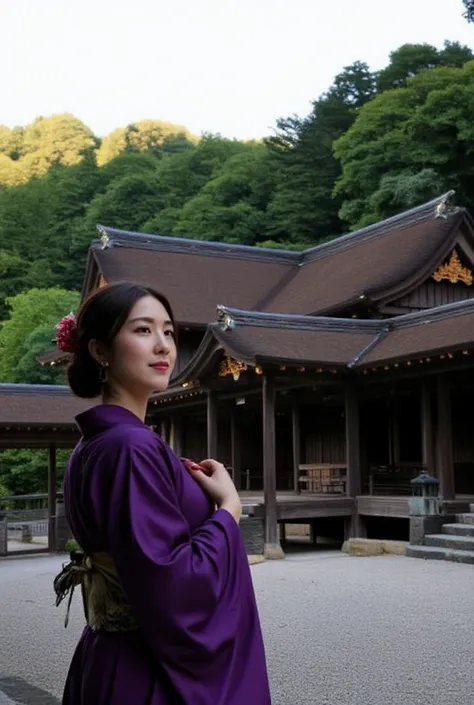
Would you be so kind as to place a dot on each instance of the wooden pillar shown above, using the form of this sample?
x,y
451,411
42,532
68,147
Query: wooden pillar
x,y
52,543
444,439
296,433
395,419
355,526
272,547
211,425
427,450
164,430
176,433
172,436
236,456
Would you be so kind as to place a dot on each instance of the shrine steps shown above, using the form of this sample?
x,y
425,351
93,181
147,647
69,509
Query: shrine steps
x,y
455,543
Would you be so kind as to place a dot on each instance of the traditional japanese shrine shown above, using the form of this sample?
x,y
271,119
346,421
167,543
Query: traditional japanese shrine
x,y
325,379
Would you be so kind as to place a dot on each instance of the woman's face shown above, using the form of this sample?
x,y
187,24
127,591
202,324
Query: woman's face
x,y
144,352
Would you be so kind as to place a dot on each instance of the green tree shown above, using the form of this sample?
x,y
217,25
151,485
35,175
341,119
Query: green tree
x,y
422,134
26,471
231,207
469,10
303,209
59,139
31,310
11,141
13,270
127,164
126,204
151,136
410,59
28,369
183,175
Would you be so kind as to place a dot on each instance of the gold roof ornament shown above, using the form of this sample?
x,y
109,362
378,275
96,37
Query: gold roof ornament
x,y
453,271
224,318
229,366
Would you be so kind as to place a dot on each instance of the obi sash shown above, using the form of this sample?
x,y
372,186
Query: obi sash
x,y
106,607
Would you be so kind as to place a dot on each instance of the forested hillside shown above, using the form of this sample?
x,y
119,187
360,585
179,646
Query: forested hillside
x,y
373,144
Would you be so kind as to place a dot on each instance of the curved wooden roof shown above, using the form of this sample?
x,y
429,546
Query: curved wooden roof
x,y
36,415
40,405
336,344
372,265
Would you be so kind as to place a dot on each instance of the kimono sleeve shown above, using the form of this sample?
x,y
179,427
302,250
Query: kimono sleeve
x,y
183,586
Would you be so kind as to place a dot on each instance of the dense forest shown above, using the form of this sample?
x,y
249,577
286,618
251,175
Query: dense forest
x,y
373,144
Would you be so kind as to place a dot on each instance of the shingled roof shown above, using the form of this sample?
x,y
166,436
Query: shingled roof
x,y
377,263
347,345
40,405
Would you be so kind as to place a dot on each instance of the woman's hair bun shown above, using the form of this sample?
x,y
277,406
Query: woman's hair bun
x,y
83,376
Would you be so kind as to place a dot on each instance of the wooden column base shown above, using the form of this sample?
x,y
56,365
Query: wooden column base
x,y
355,528
273,551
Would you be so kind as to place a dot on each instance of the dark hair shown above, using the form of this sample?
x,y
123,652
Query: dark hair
x,y
101,317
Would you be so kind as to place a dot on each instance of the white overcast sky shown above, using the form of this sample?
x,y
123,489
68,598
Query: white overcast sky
x,y
228,66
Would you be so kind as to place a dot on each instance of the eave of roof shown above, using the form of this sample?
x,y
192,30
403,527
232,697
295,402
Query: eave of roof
x,y
286,275
40,406
221,337
113,237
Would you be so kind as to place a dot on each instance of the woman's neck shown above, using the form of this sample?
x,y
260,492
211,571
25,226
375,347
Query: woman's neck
x,y
136,405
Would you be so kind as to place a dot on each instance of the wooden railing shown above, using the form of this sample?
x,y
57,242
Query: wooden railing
x,y
323,478
392,480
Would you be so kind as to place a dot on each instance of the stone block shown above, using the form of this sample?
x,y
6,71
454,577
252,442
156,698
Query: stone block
x,y
374,547
421,526
3,535
63,532
253,534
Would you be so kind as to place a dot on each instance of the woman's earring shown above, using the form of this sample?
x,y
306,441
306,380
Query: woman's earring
x,y
103,372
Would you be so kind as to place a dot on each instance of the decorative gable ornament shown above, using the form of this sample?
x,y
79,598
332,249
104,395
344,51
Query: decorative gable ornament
x,y
453,271
229,366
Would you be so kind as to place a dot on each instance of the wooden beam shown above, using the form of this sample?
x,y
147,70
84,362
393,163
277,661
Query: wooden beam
x,y
427,448
52,543
236,454
296,435
444,439
272,547
211,425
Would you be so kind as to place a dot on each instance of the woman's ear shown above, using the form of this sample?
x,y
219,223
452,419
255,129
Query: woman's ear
x,y
97,351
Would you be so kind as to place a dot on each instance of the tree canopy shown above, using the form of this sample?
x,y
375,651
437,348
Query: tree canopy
x,y
469,10
30,330
372,144
416,140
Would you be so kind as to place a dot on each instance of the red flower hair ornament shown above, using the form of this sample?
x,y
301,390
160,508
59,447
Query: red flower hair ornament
x,y
66,334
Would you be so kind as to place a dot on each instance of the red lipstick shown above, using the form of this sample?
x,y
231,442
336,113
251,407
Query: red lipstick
x,y
161,366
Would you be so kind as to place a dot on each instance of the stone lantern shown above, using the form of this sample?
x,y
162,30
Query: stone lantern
x,y
425,513
425,499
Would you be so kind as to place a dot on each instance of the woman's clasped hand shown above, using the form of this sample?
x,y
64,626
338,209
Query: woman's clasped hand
x,y
217,483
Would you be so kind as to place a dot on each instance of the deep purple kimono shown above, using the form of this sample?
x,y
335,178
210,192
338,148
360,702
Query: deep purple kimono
x,y
182,565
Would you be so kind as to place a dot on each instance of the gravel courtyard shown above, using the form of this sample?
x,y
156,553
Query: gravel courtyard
x,y
339,630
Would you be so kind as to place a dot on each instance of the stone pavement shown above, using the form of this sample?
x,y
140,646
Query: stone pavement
x,y
339,630
16,691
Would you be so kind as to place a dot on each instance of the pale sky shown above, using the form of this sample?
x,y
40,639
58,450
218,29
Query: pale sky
x,y
228,66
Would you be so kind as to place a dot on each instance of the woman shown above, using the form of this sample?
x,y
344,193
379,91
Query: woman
x,y
167,590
